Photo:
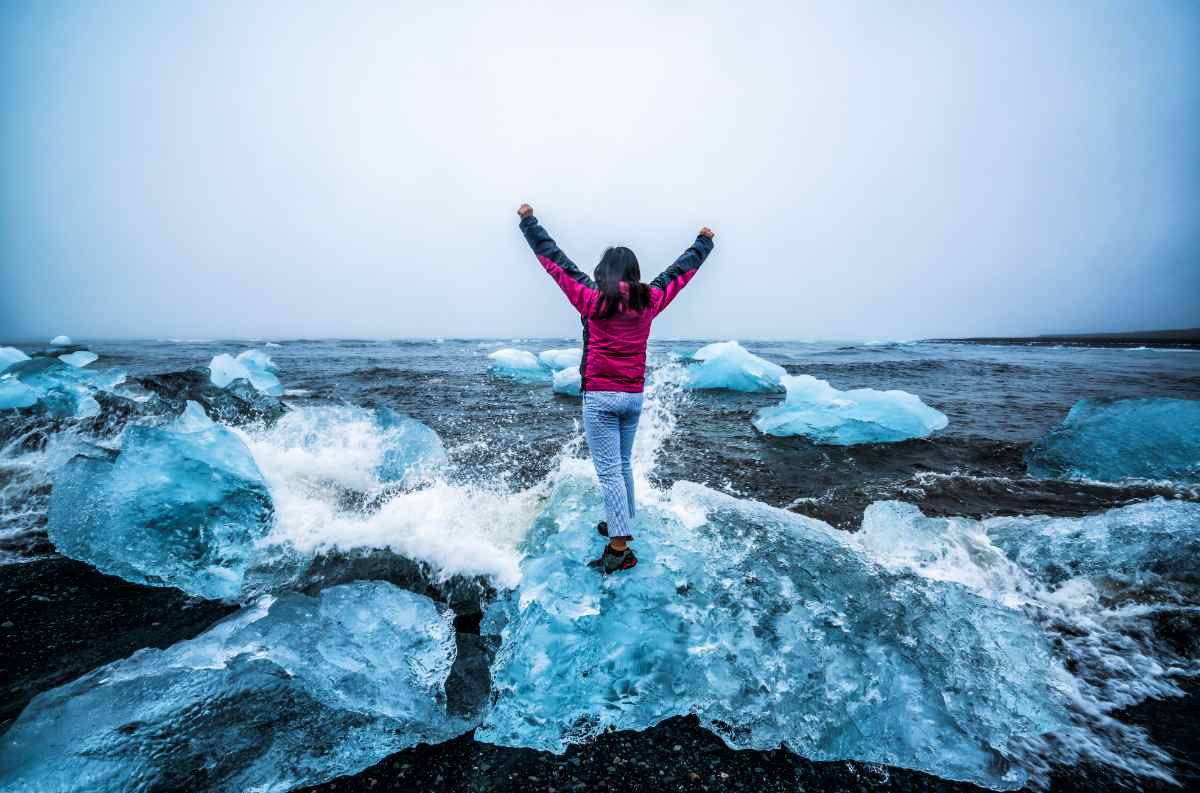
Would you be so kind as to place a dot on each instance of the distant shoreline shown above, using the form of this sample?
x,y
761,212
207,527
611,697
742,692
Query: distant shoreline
x,y
1188,338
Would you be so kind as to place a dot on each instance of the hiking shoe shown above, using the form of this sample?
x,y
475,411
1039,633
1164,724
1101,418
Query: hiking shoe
x,y
602,529
611,561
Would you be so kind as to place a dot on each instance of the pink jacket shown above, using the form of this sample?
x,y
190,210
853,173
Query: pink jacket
x,y
614,349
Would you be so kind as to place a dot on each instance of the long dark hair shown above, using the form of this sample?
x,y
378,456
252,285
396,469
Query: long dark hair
x,y
616,265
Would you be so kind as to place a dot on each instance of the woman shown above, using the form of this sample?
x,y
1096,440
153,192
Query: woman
x,y
617,310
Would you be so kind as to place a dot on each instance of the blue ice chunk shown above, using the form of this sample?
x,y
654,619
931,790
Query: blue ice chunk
x,y
568,382
818,411
182,505
770,627
15,394
557,360
1156,438
9,356
287,692
79,358
729,365
1157,539
60,341
252,365
65,390
520,366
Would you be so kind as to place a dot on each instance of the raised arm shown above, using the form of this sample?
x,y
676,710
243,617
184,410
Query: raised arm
x,y
673,279
574,283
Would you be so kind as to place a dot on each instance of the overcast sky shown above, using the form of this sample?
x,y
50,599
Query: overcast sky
x,y
353,169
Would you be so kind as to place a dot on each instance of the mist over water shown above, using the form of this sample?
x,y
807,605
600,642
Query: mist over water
x,y
353,169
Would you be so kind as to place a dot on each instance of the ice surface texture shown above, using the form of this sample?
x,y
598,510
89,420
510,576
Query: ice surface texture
x,y
79,358
181,505
772,629
9,356
1104,586
285,693
729,365
568,382
558,360
1114,439
15,394
815,409
65,390
253,365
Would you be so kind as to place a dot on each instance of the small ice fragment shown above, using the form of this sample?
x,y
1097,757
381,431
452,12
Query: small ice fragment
x,y
729,365
79,359
815,409
518,365
568,382
253,365
561,359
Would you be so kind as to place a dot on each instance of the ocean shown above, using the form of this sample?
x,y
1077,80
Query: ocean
x,y
1009,621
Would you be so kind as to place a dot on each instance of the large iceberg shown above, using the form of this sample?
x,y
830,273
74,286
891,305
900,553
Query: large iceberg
x,y
727,364
252,365
9,356
815,409
60,341
520,366
181,505
1113,439
286,693
772,629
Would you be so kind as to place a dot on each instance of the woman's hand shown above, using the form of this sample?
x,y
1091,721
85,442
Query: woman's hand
x,y
525,211
704,232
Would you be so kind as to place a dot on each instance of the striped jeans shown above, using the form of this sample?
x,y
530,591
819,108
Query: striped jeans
x,y
610,420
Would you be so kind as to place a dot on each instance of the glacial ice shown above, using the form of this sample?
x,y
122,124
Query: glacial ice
x,y
60,341
181,505
253,365
9,356
287,692
729,365
62,389
818,411
771,628
521,366
1110,440
79,358
15,394
568,382
1103,585
556,360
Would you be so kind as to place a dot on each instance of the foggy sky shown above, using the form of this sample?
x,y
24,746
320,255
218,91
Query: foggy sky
x,y
882,171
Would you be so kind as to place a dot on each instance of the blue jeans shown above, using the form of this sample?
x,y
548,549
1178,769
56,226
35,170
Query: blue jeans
x,y
610,420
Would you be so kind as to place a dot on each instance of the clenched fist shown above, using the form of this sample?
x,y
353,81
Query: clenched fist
x,y
706,232
525,211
